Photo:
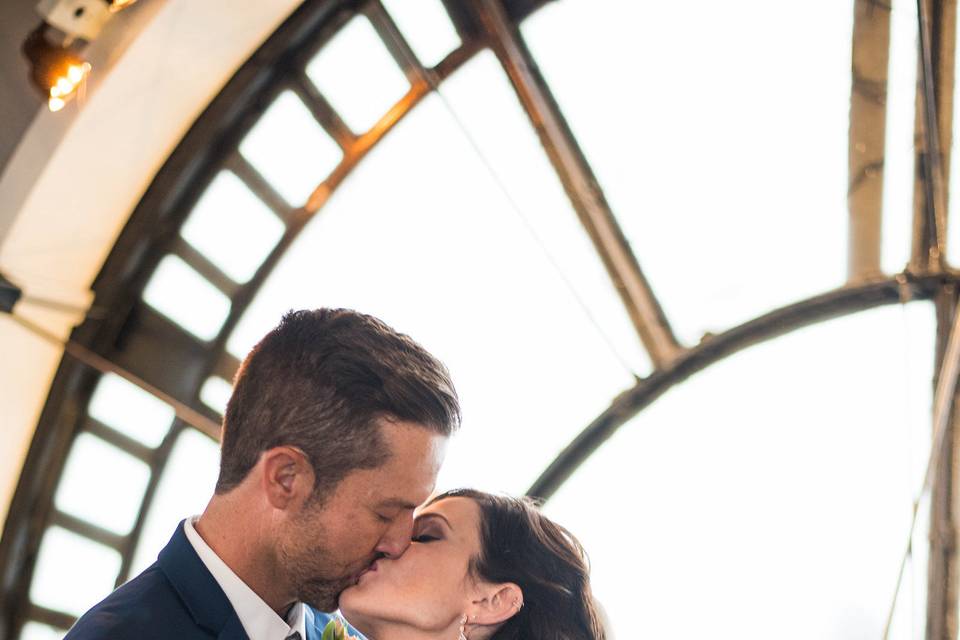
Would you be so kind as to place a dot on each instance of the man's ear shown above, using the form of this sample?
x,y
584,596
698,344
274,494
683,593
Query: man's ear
x,y
287,476
495,603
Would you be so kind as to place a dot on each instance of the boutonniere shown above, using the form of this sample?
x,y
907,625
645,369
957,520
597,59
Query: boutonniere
x,y
336,630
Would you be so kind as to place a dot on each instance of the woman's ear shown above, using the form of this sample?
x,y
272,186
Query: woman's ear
x,y
496,604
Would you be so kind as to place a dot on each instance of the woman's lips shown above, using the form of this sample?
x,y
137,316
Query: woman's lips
x,y
371,569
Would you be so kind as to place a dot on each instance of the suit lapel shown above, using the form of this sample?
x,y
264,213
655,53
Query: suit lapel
x,y
232,630
197,588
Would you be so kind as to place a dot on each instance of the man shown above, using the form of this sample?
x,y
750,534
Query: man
x,y
334,433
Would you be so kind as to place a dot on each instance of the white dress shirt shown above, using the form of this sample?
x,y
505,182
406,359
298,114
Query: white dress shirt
x,y
259,621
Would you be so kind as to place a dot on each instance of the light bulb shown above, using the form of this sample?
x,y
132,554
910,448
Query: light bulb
x,y
75,74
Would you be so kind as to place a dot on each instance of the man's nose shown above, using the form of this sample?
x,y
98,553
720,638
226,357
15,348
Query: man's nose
x,y
397,538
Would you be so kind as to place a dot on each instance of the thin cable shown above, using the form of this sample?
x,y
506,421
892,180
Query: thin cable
x,y
524,219
907,554
93,360
906,403
914,449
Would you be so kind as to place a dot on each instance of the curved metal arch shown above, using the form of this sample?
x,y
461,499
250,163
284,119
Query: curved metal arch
x,y
135,334
142,341
846,300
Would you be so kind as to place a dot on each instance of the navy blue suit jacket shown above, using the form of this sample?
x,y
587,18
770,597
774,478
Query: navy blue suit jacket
x,y
176,597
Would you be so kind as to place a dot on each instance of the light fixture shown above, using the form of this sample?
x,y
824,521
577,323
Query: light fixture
x,y
120,5
56,71
53,49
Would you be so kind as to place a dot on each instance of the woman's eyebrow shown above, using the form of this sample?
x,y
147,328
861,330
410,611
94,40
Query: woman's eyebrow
x,y
436,516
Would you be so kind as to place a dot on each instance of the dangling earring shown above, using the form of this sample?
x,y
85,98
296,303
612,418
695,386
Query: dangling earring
x,y
463,622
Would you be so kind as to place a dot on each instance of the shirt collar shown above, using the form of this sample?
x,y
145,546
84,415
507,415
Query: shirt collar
x,y
259,621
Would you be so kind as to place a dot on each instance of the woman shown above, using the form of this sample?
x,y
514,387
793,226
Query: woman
x,y
480,567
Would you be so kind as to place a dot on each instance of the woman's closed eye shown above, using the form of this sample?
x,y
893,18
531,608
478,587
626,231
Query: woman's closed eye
x,y
429,528
425,537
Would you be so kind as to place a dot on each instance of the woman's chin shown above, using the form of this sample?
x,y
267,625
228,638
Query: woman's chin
x,y
363,604
351,603
352,615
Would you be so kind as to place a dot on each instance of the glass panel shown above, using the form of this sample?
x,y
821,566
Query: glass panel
x,y
130,410
37,631
185,486
725,162
357,75
177,291
898,169
483,100
102,485
451,265
290,149
72,573
426,27
232,227
774,486
215,393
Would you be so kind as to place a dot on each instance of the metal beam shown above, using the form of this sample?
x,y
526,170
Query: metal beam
x,y
943,574
119,440
397,44
846,300
579,182
255,181
323,112
200,263
46,616
868,111
933,132
934,122
165,359
86,529
95,361
157,464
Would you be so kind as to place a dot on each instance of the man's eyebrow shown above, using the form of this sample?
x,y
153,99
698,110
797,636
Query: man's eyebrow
x,y
426,516
398,503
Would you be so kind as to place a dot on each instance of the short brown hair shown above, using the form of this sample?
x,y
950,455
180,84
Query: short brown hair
x,y
321,381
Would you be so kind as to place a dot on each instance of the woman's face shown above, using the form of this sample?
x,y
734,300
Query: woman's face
x,y
429,587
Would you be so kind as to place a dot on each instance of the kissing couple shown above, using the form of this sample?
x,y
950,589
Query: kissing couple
x,y
332,440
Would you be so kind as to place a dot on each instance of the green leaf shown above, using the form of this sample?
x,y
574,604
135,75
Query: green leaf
x,y
335,630
329,631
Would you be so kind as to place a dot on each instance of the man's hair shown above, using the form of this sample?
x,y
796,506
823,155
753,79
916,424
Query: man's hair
x,y
322,381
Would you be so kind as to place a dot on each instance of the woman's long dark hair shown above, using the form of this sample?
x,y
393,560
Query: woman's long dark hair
x,y
521,545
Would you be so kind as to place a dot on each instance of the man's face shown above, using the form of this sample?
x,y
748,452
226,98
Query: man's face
x,y
327,547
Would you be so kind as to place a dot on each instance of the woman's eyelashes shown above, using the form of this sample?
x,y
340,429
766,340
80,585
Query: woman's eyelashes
x,y
426,537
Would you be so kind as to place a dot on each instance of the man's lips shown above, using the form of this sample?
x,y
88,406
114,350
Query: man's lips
x,y
370,569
